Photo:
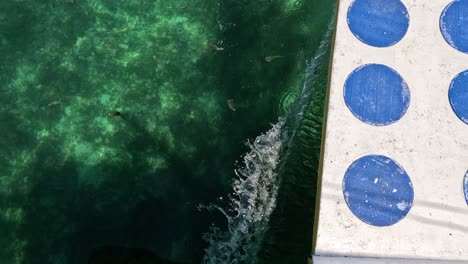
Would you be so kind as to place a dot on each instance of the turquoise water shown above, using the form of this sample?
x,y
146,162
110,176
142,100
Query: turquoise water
x,y
196,172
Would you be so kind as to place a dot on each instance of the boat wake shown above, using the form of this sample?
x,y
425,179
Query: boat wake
x,y
258,179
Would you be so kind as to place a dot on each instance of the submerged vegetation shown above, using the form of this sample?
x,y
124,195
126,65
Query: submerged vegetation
x,y
73,178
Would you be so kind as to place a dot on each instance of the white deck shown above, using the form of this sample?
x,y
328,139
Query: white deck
x,y
343,260
429,142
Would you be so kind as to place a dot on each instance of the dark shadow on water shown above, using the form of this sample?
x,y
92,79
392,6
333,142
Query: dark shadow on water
x,y
66,218
16,29
123,255
289,238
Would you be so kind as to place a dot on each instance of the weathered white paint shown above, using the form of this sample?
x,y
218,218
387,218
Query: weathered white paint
x,y
429,142
345,260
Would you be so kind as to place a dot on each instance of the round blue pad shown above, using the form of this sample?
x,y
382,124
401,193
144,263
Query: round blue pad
x,y
377,190
454,25
458,96
379,23
376,94
465,187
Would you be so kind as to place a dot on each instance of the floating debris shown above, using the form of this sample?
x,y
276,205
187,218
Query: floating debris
x,y
53,103
229,103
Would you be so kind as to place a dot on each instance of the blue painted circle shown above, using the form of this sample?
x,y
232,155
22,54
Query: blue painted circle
x,y
379,23
454,25
465,187
376,94
377,190
458,96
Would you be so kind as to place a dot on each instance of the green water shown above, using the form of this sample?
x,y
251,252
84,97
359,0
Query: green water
x,y
73,178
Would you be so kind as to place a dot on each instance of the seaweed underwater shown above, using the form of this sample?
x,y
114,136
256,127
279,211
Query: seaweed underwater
x,y
76,177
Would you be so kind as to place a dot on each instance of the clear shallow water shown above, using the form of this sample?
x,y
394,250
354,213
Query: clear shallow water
x,y
73,179
260,177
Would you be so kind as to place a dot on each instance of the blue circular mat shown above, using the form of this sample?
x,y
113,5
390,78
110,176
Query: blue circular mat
x,y
458,96
454,25
379,23
376,94
465,186
377,190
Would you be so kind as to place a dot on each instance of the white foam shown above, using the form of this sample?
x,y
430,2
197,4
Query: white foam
x,y
255,189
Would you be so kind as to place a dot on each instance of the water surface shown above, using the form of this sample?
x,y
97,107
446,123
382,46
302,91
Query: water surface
x,y
195,81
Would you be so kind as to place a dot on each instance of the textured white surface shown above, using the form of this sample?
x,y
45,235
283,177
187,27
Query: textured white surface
x,y
342,260
429,142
